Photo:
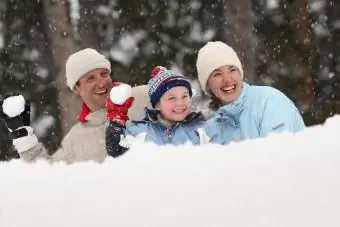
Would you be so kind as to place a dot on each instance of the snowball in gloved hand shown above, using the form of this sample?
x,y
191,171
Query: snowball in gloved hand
x,y
14,105
119,94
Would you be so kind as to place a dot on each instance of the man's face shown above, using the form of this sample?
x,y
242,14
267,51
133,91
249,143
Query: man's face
x,y
94,87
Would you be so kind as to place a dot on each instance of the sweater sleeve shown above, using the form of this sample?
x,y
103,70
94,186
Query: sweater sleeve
x,y
35,153
280,114
116,143
40,152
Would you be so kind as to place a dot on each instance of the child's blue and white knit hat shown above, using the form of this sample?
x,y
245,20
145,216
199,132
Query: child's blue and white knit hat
x,y
163,80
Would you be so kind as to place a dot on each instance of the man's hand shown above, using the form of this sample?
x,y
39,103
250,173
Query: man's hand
x,y
15,112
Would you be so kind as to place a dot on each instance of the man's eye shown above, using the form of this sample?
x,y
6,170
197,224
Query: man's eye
x,y
105,74
89,79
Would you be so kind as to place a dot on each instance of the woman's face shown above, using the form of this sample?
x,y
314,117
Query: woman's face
x,y
225,83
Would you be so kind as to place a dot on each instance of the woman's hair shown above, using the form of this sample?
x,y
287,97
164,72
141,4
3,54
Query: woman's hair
x,y
214,103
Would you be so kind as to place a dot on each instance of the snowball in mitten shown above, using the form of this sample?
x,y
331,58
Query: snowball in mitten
x,y
120,93
15,112
118,103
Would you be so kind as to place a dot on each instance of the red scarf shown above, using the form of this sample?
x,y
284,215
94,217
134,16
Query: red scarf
x,y
84,111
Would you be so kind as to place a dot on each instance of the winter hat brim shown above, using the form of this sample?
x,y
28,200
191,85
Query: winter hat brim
x,y
212,56
172,82
82,62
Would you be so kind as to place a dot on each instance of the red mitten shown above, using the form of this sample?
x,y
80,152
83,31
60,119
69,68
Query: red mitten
x,y
118,103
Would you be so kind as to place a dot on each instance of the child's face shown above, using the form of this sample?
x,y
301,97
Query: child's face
x,y
175,104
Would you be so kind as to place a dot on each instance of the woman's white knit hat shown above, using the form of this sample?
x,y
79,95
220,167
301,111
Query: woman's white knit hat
x,y
83,61
212,56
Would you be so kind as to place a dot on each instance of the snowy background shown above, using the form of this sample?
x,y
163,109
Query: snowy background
x,y
36,38
283,180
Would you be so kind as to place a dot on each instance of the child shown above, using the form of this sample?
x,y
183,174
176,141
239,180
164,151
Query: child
x,y
169,122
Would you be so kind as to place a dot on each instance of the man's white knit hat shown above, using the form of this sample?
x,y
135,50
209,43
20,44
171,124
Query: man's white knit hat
x,y
212,56
83,61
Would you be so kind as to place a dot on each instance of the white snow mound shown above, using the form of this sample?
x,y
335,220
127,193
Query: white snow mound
x,y
282,180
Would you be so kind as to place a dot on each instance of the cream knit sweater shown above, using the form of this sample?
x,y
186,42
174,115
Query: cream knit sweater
x,y
86,140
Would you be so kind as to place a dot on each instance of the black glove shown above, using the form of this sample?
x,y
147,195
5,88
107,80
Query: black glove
x,y
15,112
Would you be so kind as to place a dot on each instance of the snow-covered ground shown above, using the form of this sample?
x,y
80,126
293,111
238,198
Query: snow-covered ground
x,y
282,180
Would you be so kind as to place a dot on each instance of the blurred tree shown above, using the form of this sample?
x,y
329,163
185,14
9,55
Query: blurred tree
x,y
24,65
325,25
239,34
87,25
59,31
300,63
137,35
286,51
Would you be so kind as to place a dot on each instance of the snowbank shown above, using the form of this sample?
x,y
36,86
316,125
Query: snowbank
x,y
283,180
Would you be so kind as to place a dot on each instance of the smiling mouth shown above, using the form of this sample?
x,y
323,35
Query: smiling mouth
x,y
104,91
179,111
229,88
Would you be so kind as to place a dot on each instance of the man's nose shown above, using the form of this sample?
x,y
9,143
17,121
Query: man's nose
x,y
100,81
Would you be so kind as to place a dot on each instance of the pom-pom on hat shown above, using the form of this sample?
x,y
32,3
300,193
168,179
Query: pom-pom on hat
x,y
163,80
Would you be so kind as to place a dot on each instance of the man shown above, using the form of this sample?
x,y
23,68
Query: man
x,y
87,75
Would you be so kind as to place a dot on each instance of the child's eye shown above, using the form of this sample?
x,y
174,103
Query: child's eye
x,y
171,98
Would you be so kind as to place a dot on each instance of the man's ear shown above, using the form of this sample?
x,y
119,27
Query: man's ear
x,y
76,90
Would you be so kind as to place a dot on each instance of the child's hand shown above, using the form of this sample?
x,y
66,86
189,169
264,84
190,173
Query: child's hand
x,y
118,102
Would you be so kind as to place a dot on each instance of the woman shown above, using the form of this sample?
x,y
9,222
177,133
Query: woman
x,y
242,111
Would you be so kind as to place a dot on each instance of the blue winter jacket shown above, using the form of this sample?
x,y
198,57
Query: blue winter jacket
x,y
119,138
151,130
258,111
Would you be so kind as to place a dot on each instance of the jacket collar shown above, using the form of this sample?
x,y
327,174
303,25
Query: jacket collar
x,y
84,111
151,115
97,117
234,109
